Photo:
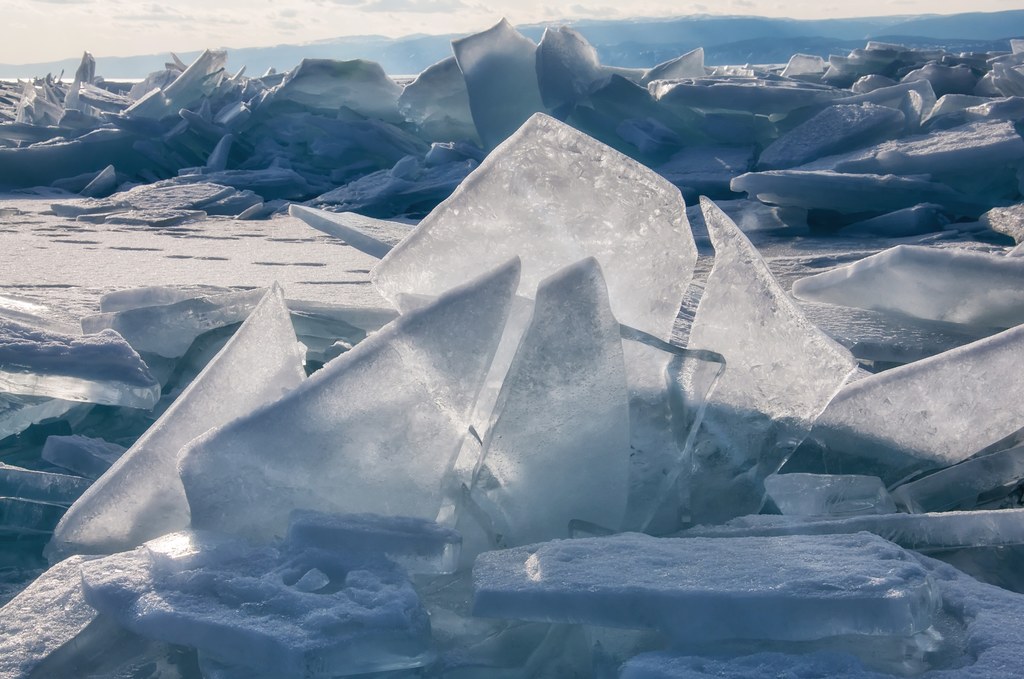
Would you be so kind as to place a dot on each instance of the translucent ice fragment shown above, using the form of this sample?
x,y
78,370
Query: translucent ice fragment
x,y
100,368
781,373
28,517
499,66
689,65
327,85
940,284
804,65
89,457
437,101
169,330
558,446
141,496
418,545
910,221
18,413
553,196
828,494
375,237
694,589
156,295
567,67
964,485
27,484
241,606
199,80
379,425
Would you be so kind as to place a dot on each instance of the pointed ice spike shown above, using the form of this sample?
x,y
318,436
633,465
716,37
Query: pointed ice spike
x,y
781,373
375,237
553,196
140,497
558,448
374,431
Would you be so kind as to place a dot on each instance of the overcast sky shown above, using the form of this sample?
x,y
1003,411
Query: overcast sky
x,y
47,30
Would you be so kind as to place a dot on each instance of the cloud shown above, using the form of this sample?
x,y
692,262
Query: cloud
x,y
417,6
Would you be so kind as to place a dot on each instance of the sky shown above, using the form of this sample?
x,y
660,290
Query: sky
x,y
48,30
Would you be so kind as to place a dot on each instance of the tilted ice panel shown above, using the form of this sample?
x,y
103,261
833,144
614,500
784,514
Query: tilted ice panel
x,y
828,494
374,431
553,196
141,496
558,446
928,414
568,67
438,103
941,284
964,485
694,589
781,373
375,237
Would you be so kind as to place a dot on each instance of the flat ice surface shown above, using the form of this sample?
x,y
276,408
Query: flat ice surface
x,y
48,614
928,414
374,431
251,607
100,368
781,371
828,494
693,589
941,284
141,496
558,445
553,196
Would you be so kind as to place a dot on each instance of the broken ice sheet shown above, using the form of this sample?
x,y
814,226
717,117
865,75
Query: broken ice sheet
x,y
375,237
438,103
781,373
557,448
89,457
941,284
964,485
373,431
553,196
28,484
18,413
28,517
246,606
141,496
709,589
828,494
98,368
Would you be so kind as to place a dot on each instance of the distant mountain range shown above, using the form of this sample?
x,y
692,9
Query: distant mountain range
x,y
632,42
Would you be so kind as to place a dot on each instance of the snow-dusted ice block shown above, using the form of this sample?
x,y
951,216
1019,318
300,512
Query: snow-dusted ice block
x,y
781,372
1008,220
708,589
141,496
828,494
374,431
553,196
169,330
558,445
27,484
835,129
48,614
100,368
438,103
328,85
418,545
499,66
940,284
928,414
89,457
288,614
375,237
963,485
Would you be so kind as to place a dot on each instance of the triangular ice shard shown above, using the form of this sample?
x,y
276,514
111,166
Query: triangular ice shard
x,y
141,496
558,448
374,431
781,372
553,196
375,237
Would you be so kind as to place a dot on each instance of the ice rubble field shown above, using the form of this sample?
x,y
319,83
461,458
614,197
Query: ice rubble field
x,y
529,367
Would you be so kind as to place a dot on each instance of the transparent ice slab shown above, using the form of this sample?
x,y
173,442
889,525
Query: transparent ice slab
x,y
964,485
437,101
27,484
828,494
88,457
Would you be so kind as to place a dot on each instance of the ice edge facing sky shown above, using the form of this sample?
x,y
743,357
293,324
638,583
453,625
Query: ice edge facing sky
x,y
47,30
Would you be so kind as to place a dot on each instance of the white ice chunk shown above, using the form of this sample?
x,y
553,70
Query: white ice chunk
x,y
695,589
100,368
141,496
375,237
374,431
558,446
438,103
804,65
553,196
828,494
499,66
418,545
931,413
941,284
567,67
89,457
1008,220
964,485
170,329
328,85
781,372
28,484
46,616
243,606
835,129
